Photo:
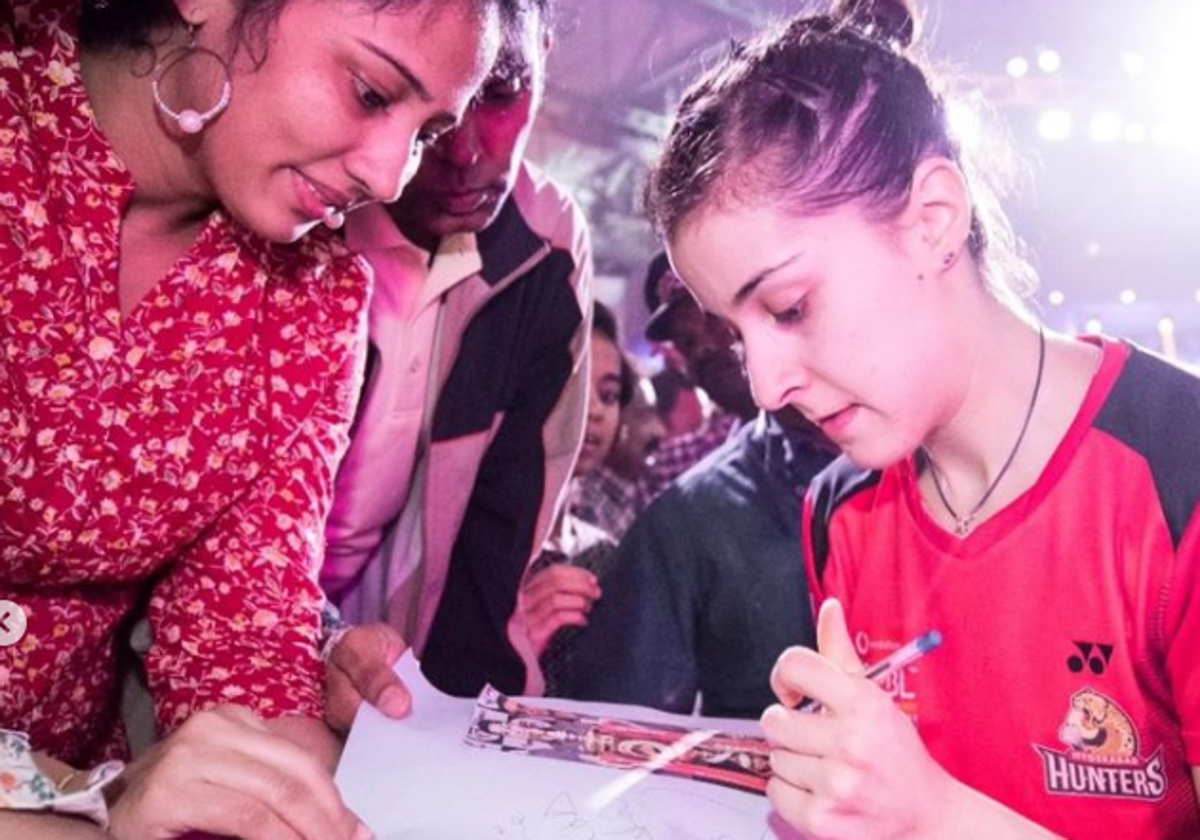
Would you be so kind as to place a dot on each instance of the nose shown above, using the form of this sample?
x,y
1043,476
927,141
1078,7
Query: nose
x,y
462,146
776,379
595,409
384,162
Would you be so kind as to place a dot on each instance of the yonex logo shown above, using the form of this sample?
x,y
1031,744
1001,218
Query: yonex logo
x,y
1093,656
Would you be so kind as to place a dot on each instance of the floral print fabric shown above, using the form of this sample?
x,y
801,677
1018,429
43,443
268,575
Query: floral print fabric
x,y
179,457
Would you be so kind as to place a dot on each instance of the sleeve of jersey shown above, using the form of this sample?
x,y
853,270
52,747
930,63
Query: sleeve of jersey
x,y
1182,636
827,575
237,618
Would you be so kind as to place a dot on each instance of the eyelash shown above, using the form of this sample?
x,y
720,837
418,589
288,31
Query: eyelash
x,y
370,99
791,316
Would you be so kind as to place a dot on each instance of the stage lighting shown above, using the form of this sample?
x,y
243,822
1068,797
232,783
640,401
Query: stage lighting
x,y
1106,126
1055,124
1049,61
1017,67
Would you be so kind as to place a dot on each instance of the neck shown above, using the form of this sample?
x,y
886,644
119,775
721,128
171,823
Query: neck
x,y
972,455
411,224
168,180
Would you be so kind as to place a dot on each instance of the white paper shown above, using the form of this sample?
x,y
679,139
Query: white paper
x,y
417,779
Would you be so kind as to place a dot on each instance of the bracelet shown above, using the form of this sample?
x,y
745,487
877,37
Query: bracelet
x,y
333,628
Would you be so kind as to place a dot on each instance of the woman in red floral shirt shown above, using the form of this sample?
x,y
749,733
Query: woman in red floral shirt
x,y
178,369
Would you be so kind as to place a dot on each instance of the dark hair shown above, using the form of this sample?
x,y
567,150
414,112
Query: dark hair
x,y
659,266
605,323
131,24
818,112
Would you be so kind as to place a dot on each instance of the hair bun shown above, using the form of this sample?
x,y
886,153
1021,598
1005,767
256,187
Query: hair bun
x,y
892,22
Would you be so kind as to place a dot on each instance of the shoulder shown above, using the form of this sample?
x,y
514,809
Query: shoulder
x,y
834,489
838,484
1152,409
551,212
719,470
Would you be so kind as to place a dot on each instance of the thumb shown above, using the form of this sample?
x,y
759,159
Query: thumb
x,y
366,654
833,637
384,690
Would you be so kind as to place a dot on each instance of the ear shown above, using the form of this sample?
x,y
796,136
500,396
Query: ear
x,y
197,12
939,210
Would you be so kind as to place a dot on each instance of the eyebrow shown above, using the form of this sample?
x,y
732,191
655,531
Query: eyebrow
x,y
743,294
400,67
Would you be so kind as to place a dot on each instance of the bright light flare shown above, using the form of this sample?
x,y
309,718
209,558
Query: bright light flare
x,y
1179,78
1017,67
1049,61
1106,127
965,123
1055,124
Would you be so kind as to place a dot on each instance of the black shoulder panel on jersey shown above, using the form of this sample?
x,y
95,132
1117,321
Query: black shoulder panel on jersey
x,y
1154,409
835,485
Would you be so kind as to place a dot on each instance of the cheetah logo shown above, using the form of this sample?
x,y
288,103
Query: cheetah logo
x,y
1102,758
1096,726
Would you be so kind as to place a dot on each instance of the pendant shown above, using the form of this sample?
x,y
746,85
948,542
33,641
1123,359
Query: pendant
x,y
962,527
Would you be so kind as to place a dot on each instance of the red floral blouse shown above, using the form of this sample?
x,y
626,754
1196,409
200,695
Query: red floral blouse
x,y
179,458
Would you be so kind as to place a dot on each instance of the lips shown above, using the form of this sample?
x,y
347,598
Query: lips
x,y
315,198
835,423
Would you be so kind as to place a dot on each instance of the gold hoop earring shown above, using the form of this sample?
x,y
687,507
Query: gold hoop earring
x,y
189,120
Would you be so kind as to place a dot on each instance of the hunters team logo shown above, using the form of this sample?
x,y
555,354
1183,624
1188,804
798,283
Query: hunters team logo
x,y
1102,756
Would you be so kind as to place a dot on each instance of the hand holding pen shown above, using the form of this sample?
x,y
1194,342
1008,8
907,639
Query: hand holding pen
x,y
898,660
860,769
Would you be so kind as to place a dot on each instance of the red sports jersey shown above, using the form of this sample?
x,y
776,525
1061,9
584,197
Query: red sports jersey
x,y
1067,686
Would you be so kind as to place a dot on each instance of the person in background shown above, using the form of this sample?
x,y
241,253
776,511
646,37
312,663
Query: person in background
x,y
707,589
615,495
705,347
183,343
609,496
1034,497
564,582
474,404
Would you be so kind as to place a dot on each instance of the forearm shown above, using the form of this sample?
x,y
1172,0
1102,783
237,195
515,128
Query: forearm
x,y
45,826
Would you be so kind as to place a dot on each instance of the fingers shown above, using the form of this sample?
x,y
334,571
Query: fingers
x,y
556,597
230,813
546,608
793,804
364,658
798,732
562,579
255,784
833,637
274,772
802,673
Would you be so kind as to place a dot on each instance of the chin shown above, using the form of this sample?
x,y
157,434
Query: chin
x,y
279,229
870,457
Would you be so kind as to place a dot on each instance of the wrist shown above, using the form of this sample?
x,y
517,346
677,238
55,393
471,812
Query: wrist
x,y
333,628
